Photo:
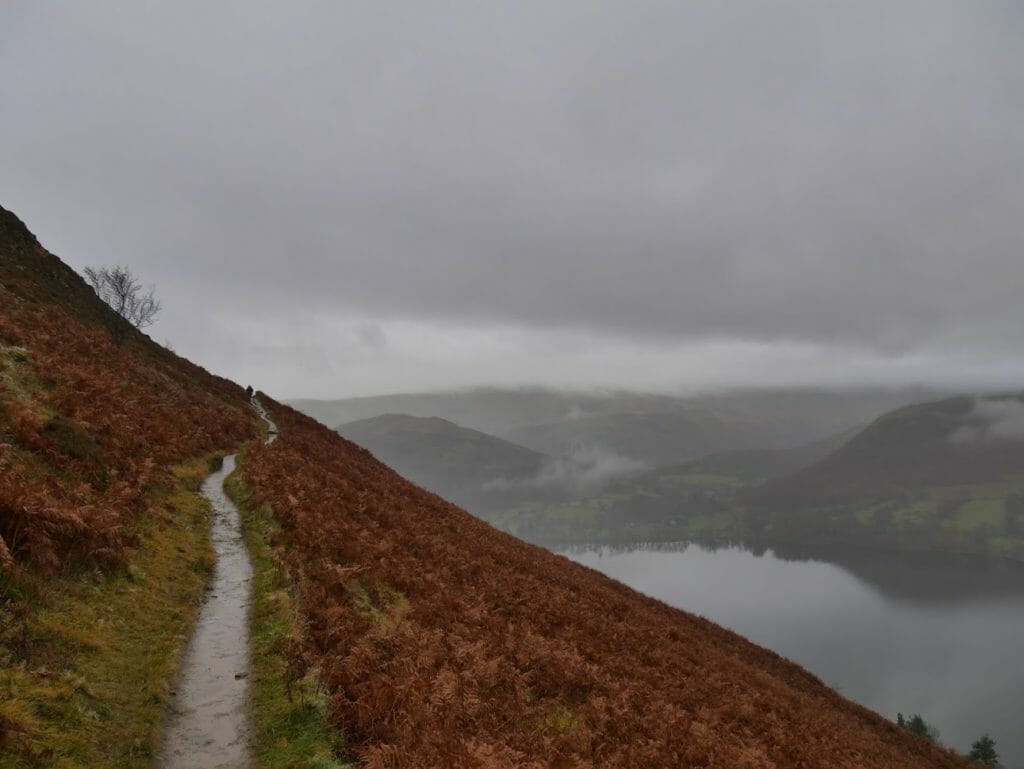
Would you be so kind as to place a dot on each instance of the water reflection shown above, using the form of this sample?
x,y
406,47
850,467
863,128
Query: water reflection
x,y
938,635
917,577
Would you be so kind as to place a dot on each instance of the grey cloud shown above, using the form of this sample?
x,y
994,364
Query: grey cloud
x,y
837,174
371,335
586,469
991,420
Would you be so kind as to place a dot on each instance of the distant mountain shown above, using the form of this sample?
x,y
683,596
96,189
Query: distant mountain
x,y
754,466
653,429
663,440
655,439
943,475
961,440
946,474
488,410
473,469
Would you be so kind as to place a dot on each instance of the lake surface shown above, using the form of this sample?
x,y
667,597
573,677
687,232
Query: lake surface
x,y
935,635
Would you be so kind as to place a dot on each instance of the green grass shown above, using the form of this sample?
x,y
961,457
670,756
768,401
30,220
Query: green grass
x,y
962,518
560,720
916,514
382,605
87,675
557,519
978,514
712,526
290,714
702,480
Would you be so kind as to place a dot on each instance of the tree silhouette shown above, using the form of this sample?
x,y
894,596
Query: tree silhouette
x,y
120,289
916,724
983,750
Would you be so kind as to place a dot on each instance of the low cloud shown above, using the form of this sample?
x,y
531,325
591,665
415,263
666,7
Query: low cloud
x,y
585,469
576,413
991,420
652,196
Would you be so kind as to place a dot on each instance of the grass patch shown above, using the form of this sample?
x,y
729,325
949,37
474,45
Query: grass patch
x,y
916,514
702,480
290,714
978,514
712,525
87,673
558,721
382,605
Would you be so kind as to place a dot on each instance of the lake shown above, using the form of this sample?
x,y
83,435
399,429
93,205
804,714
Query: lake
x,y
942,636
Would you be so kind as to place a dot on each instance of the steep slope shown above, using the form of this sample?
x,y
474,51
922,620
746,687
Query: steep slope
x,y
945,474
468,467
447,643
86,423
104,549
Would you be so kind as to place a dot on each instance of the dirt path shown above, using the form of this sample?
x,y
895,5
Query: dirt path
x,y
208,724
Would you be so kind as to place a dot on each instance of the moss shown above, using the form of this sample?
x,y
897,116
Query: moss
x,y
290,714
89,681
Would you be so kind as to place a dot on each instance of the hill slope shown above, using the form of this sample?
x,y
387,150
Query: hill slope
x,y
758,465
104,550
448,643
468,467
945,474
87,423
441,641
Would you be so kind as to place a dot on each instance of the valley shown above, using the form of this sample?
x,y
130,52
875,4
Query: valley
x,y
942,475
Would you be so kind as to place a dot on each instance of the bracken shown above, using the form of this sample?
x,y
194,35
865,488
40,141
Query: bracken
x,y
445,642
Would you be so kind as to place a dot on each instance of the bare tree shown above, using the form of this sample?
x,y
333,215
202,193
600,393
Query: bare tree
x,y
119,288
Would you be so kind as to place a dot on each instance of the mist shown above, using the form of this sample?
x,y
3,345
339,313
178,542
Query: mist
x,y
348,199
991,420
584,470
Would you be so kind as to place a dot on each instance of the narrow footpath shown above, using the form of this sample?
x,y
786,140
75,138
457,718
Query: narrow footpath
x,y
208,726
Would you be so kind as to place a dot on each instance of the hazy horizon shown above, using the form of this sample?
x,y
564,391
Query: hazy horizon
x,y
337,200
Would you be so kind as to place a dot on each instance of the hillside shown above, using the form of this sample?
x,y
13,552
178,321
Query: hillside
x,y
88,423
104,547
754,466
446,642
439,640
477,471
945,474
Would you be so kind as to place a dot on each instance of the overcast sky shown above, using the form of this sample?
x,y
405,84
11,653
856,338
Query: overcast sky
x,y
342,198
